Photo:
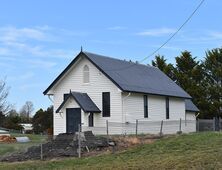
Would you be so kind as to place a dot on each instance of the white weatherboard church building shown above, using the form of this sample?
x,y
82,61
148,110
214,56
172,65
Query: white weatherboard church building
x,y
95,88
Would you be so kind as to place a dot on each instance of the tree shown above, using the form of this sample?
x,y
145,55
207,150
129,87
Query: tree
x,y
4,92
42,120
27,110
213,72
12,112
12,122
160,62
189,75
2,119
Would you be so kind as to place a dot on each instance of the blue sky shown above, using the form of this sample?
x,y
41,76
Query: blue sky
x,y
39,38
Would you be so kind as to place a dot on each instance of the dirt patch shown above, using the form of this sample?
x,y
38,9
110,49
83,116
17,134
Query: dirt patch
x,y
122,143
129,141
66,145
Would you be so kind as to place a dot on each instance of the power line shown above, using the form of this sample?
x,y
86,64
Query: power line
x,y
171,37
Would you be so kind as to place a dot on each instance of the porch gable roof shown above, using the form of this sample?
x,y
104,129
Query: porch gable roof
x,y
83,100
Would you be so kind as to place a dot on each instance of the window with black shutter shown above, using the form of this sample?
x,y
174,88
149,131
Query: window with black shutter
x,y
167,108
106,104
145,101
91,120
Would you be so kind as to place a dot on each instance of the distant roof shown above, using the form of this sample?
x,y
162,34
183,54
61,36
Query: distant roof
x,y
83,100
131,77
190,106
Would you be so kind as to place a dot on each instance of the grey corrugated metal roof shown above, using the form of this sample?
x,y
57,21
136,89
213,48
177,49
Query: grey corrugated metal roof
x,y
84,101
139,78
190,106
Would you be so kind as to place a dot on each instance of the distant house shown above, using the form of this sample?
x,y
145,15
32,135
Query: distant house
x,y
95,88
27,127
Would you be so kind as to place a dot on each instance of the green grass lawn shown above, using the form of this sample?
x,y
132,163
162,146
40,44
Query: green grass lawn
x,y
6,148
191,151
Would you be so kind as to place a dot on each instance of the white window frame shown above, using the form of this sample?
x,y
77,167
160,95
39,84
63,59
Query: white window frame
x,y
86,78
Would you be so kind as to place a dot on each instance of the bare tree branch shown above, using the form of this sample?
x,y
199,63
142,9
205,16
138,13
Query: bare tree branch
x,y
4,92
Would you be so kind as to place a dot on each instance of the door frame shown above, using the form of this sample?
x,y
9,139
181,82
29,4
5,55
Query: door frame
x,y
73,113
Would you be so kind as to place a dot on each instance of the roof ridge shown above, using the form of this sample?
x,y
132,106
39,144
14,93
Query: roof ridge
x,y
122,60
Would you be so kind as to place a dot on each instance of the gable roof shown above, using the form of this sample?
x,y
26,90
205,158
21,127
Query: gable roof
x,y
83,100
131,77
190,106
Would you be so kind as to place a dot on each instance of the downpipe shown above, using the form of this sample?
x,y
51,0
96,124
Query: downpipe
x,y
124,114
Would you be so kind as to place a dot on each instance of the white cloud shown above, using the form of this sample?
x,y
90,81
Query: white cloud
x,y
28,86
201,37
13,34
5,51
43,33
157,32
25,76
7,66
18,49
41,64
216,34
116,28
20,42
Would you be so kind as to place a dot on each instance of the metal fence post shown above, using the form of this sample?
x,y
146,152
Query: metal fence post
x,y
41,152
79,141
198,125
107,131
161,128
179,132
136,127
214,124
219,123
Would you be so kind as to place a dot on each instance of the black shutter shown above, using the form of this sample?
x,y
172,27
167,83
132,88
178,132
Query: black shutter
x,y
65,96
106,104
145,101
167,108
91,120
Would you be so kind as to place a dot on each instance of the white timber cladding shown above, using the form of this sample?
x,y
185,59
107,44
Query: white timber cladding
x,y
98,83
190,120
190,115
133,107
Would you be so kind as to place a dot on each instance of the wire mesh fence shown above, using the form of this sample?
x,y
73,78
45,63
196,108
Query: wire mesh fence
x,y
214,124
87,139
145,127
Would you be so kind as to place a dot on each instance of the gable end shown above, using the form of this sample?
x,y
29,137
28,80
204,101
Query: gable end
x,y
71,64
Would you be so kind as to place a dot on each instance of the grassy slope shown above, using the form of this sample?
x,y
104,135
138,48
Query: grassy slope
x,y
12,147
193,151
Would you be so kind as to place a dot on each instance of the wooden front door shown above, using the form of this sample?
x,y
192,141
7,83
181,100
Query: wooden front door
x,y
73,119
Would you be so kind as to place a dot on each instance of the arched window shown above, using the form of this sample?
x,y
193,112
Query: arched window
x,y
85,74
